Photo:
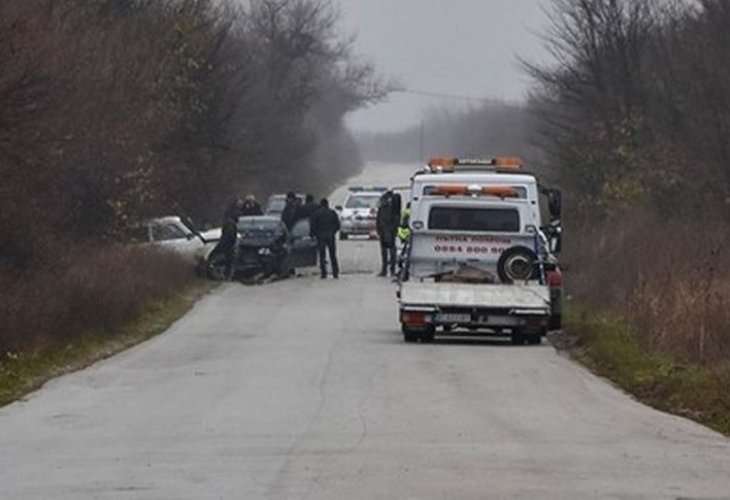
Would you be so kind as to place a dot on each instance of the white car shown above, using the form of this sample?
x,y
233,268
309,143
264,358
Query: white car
x,y
172,234
359,210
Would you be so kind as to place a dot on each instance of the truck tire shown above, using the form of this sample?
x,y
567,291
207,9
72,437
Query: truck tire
x,y
428,336
409,336
535,339
516,264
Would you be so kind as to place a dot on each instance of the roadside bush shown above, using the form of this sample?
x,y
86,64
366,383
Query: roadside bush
x,y
89,289
669,279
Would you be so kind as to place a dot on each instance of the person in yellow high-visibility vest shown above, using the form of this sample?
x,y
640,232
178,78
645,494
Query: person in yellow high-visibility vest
x,y
404,230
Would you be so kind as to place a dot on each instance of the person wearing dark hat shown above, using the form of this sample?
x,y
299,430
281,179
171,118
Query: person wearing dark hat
x,y
251,207
325,225
290,213
229,235
309,207
387,221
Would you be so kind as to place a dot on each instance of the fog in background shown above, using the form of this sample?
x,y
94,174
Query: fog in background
x,y
456,47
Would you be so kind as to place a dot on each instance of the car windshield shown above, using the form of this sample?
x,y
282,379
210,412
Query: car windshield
x,y
496,220
253,226
362,202
276,205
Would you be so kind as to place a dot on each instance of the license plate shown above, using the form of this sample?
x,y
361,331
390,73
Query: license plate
x,y
453,318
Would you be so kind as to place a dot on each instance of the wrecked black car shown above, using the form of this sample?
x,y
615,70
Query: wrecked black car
x,y
266,251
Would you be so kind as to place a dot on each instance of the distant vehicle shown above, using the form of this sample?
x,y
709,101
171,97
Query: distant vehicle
x,y
478,257
178,235
359,210
276,203
266,250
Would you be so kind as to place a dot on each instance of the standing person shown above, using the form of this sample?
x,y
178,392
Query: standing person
x,y
290,213
386,223
229,236
309,207
251,207
325,224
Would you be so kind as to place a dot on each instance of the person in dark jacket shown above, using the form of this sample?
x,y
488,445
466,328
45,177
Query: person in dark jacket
x,y
325,224
386,224
229,236
290,213
309,207
251,207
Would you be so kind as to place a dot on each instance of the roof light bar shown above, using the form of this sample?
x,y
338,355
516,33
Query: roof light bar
x,y
475,190
447,162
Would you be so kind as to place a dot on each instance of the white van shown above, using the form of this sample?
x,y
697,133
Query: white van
x,y
479,257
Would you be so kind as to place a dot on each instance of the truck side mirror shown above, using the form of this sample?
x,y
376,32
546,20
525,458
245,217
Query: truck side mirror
x,y
555,204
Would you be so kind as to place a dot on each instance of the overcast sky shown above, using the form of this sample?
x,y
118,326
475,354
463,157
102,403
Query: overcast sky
x,y
454,47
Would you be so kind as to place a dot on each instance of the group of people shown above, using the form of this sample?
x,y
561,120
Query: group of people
x,y
324,222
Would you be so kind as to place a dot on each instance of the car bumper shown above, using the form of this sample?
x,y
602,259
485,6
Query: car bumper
x,y
366,226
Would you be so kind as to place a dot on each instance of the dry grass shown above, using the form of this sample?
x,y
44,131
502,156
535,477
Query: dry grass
x,y
88,289
671,281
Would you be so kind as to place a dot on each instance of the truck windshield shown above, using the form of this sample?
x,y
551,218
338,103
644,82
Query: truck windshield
x,y
493,220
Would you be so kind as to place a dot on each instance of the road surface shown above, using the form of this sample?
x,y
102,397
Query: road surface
x,y
304,390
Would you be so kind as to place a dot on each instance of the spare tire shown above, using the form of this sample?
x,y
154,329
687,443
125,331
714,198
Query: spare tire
x,y
516,264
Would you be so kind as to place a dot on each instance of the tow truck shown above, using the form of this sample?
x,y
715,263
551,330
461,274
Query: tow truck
x,y
479,259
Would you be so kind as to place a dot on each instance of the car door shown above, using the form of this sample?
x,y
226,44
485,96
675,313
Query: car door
x,y
303,245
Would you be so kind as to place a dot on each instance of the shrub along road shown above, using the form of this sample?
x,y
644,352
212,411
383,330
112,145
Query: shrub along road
x,y
304,389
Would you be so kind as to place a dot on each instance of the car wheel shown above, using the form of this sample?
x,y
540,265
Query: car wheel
x,y
343,236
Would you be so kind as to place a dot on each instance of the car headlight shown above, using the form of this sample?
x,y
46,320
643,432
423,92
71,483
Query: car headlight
x,y
264,251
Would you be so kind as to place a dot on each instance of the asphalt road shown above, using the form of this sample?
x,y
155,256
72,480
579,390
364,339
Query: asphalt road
x,y
304,389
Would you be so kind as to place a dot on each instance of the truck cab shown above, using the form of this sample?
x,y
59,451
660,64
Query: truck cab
x,y
479,258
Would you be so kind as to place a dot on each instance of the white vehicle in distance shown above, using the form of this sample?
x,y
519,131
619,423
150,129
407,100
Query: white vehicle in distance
x,y
176,235
359,210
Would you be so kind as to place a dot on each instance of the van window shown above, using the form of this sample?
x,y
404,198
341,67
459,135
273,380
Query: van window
x,y
493,220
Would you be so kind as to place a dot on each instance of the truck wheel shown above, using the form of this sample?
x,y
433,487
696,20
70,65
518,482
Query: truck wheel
x,y
428,336
534,339
409,336
517,338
